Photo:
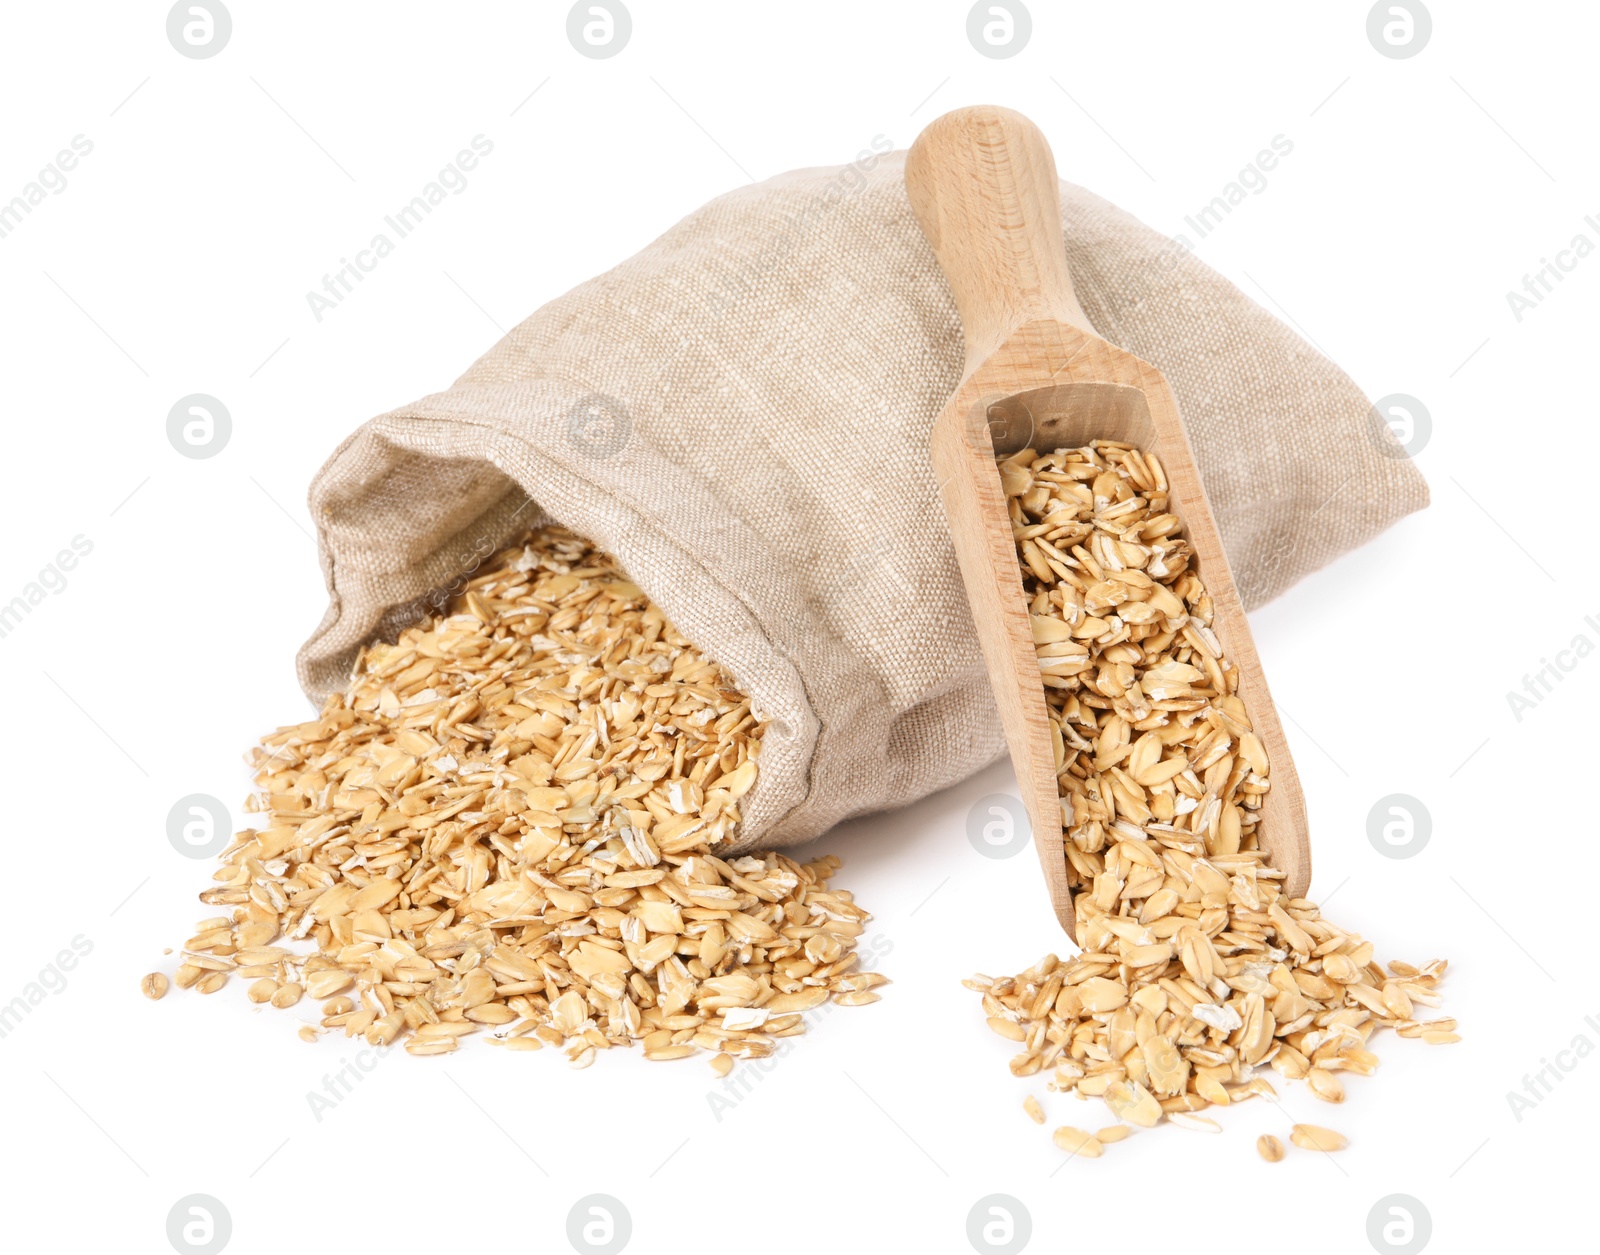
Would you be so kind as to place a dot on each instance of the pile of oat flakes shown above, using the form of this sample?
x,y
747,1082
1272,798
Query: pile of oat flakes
x,y
1195,970
516,821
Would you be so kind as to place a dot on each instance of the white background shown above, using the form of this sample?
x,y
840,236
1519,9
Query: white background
x,y
177,260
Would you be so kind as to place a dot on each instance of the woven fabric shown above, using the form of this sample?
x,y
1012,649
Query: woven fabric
x,y
741,414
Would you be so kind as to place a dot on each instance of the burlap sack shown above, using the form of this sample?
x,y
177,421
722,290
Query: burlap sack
x,y
741,413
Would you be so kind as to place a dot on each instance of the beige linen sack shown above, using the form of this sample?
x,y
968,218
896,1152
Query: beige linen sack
x,y
740,413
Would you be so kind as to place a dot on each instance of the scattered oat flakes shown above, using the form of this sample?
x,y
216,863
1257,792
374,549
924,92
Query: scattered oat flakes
x,y
153,986
522,812
1030,1104
1194,969
1269,1148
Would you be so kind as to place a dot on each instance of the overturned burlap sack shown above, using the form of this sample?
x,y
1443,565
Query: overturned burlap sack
x,y
741,414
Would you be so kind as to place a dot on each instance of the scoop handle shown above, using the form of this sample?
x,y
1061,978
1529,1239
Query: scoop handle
x,y
982,183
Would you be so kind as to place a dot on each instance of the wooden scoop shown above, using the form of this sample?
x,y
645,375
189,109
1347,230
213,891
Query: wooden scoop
x,y
983,185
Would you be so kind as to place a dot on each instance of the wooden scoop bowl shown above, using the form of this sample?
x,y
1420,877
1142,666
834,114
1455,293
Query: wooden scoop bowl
x,y
982,183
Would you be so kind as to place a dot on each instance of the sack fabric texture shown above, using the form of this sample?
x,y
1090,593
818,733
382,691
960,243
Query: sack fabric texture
x,y
741,414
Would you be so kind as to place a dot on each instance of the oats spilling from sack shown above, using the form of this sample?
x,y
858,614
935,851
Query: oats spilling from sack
x,y
511,821
1195,969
